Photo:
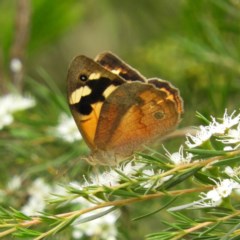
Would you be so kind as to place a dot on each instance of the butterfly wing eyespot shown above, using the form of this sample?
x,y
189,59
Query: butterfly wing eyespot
x,y
159,115
83,77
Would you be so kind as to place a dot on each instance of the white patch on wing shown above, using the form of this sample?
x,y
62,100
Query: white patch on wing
x,y
95,75
109,90
116,71
86,91
78,93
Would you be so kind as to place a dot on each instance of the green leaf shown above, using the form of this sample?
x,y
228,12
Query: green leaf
x,y
156,211
49,219
125,177
206,153
153,159
125,193
94,216
227,162
64,224
203,178
200,116
179,178
19,215
26,232
5,214
209,229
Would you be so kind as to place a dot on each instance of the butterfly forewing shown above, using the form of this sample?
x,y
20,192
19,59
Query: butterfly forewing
x,y
117,66
89,84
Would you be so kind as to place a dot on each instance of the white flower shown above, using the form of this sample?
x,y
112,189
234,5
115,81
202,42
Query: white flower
x,y
5,119
76,185
153,181
107,178
103,227
229,171
216,128
148,172
38,193
16,65
14,183
14,102
130,168
226,186
201,136
215,196
178,157
11,103
231,137
228,148
67,129
209,199
232,172
230,121
226,123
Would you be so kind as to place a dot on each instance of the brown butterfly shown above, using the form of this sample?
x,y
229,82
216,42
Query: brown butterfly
x,y
116,109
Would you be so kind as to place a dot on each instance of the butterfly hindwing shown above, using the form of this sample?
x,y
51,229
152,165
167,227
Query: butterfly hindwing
x,y
172,92
133,115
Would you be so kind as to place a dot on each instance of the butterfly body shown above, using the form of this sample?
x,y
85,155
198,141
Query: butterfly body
x,y
116,109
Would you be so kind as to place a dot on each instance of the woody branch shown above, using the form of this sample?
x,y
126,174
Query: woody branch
x,y
20,40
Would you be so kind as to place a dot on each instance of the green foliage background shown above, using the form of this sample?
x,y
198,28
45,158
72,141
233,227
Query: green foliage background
x,y
193,44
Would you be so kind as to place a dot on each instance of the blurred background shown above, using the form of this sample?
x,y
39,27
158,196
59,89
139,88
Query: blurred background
x,y
193,44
